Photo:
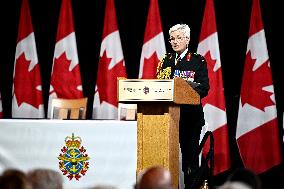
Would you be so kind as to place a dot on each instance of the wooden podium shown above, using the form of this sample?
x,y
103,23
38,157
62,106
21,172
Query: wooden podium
x,y
158,111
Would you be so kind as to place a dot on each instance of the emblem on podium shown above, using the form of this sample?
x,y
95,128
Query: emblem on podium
x,y
73,158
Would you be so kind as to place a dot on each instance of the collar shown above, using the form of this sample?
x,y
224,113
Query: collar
x,y
182,54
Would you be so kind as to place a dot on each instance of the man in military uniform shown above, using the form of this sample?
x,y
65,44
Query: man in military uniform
x,y
191,67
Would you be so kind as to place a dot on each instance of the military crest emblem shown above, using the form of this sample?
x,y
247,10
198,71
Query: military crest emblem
x,y
73,159
146,90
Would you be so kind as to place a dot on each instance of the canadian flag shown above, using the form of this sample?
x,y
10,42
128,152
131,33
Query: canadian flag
x,y
65,77
257,131
154,44
27,100
111,65
1,110
214,102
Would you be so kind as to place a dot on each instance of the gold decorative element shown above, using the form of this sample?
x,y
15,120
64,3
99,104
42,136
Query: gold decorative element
x,y
164,73
73,142
160,66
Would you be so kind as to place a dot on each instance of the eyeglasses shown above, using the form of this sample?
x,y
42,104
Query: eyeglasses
x,y
179,39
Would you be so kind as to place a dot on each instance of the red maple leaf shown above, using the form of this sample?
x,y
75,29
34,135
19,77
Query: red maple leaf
x,y
82,149
150,66
83,171
253,82
77,176
66,83
107,79
26,83
64,172
64,149
215,96
70,176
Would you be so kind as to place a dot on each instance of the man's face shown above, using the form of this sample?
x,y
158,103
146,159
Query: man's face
x,y
178,41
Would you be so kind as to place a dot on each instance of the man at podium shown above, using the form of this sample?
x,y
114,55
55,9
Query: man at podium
x,y
191,67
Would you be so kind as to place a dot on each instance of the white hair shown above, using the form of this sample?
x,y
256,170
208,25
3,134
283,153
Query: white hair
x,y
183,27
234,185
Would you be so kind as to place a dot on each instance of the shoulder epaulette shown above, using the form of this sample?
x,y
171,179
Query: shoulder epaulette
x,y
199,56
162,59
196,54
169,55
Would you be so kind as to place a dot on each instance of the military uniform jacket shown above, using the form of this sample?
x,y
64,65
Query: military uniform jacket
x,y
193,68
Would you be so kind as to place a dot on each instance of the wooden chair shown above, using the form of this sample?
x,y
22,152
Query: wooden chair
x,y
68,108
127,112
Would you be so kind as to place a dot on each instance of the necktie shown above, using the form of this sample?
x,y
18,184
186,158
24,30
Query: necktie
x,y
177,59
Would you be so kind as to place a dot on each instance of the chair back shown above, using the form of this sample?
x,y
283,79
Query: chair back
x,y
68,108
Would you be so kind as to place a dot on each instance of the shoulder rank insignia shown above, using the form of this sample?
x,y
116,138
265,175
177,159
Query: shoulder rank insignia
x,y
73,159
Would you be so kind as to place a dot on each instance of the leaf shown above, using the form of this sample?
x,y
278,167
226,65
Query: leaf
x,y
26,83
66,83
215,95
107,79
253,83
150,66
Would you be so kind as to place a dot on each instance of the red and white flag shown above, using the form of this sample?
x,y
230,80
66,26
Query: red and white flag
x,y
214,104
111,65
27,97
65,77
257,126
1,110
154,44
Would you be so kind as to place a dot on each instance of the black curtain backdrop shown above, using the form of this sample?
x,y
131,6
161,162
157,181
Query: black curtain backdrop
x,y
232,18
